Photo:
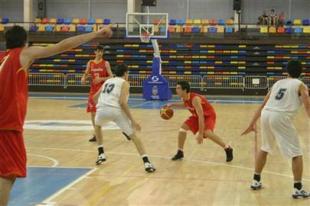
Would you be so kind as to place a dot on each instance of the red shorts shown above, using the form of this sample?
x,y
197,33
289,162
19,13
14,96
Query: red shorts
x,y
91,104
193,124
13,154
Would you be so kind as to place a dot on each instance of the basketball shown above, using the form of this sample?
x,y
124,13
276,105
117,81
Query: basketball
x,y
166,113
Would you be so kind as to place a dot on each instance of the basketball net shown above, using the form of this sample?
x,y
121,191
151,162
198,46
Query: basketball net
x,y
145,37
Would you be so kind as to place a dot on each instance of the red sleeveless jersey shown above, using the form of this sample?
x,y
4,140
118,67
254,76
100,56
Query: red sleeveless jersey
x,y
206,106
13,91
97,70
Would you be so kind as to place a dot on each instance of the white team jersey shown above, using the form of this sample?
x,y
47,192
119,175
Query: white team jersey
x,y
284,96
110,93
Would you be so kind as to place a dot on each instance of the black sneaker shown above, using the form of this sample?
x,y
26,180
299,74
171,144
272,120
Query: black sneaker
x,y
93,139
229,154
149,167
101,159
127,137
178,156
298,194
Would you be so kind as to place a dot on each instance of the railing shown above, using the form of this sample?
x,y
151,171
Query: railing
x,y
196,81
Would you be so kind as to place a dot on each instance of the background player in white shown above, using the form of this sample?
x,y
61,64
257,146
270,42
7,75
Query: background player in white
x,y
277,112
113,106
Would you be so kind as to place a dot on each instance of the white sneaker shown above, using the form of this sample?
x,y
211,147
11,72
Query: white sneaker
x,y
101,159
256,185
149,167
297,194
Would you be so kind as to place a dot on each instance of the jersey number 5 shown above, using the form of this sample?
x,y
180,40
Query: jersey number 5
x,y
280,94
108,88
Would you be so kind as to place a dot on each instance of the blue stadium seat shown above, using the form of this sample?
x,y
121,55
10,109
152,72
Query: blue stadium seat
x,y
306,22
298,30
60,20
229,29
212,30
180,21
172,22
91,21
49,28
68,20
107,21
5,20
89,28
288,30
289,22
33,28
80,28
195,29
221,22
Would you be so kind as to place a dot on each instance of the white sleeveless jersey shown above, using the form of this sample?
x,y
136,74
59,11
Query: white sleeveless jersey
x,y
110,93
284,96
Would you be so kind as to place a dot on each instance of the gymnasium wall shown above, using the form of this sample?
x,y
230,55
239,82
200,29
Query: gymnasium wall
x,y
116,9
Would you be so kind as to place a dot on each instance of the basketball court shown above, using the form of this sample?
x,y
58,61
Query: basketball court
x,y
231,63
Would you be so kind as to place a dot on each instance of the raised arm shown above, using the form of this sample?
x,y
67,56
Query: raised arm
x,y
29,54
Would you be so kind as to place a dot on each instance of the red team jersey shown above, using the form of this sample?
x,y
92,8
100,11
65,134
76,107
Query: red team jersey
x,y
13,107
208,111
13,92
96,70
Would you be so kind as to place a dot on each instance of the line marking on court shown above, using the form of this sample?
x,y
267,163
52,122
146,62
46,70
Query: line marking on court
x,y
48,200
55,162
193,160
214,101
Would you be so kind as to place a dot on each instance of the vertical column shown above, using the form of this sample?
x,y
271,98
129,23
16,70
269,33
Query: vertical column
x,y
27,13
90,9
290,9
131,4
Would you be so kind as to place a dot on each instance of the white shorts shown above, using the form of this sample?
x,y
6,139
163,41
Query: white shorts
x,y
278,126
116,115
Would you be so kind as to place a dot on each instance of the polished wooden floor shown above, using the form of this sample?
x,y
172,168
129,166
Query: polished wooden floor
x,y
202,178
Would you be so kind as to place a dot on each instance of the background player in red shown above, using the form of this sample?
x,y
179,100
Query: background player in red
x,y
14,97
202,120
99,71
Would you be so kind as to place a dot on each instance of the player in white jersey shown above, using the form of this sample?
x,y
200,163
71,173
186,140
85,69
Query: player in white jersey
x,y
113,106
277,112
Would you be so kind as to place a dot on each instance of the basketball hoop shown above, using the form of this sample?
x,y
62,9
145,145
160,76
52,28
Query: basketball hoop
x,y
145,37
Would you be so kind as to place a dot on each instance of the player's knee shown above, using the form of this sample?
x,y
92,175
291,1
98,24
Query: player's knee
x,y
182,130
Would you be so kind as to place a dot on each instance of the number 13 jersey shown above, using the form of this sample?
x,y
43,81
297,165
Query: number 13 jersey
x,y
110,93
284,96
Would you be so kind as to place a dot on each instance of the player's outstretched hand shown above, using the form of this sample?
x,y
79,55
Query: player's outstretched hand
x,y
199,138
105,32
251,128
136,126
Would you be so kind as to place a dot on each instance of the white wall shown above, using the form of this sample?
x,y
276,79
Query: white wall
x,y
116,9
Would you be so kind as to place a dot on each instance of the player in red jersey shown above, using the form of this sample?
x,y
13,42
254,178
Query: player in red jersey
x,y
202,120
14,97
99,71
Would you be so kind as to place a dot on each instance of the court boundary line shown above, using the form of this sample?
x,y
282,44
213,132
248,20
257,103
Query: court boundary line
x,y
62,190
193,160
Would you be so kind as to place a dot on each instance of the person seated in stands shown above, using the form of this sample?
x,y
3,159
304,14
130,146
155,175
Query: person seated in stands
x,y
263,19
273,18
281,19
